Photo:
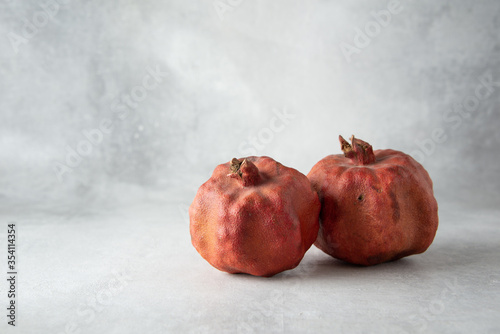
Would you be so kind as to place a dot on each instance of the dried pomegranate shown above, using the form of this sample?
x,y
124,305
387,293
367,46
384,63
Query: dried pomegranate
x,y
254,216
376,206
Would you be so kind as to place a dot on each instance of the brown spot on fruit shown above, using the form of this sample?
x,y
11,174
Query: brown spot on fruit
x,y
395,207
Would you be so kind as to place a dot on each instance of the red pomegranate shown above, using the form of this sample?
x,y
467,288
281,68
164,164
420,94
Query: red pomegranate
x,y
254,216
376,206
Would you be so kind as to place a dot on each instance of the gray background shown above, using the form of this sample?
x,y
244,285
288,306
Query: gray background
x,y
225,75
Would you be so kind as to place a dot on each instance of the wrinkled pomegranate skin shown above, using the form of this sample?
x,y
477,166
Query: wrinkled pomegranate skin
x,y
260,230
377,212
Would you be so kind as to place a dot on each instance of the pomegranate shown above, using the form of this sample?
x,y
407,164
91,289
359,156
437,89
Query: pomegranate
x,y
375,206
254,216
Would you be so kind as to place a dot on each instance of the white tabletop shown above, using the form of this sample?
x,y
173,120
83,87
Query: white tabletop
x,y
132,269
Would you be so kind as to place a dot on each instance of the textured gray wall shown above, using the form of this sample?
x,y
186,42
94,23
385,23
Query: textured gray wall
x,y
223,71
